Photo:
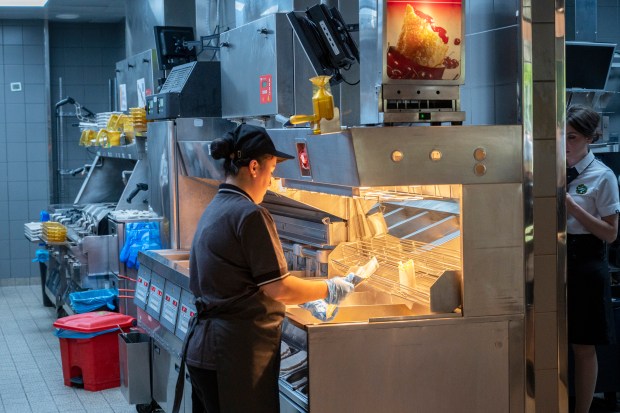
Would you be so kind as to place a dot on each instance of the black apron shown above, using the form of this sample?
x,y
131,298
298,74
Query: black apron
x,y
589,309
247,343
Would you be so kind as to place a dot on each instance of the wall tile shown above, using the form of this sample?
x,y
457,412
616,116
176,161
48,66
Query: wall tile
x,y
16,230
20,250
479,17
15,132
15,112
34,74
3,156
38,190
20,268
74,75
5,252
480,48
91,56
17,171
33,35
36,112
545,224
36,151
93,75
13,73
16,151
13,54
12,34
543,51
503,58
36,132
16,96
18,198
544,115
5,268
3,176
483,97
35,170
4,191
545,283
35,207
506,104
34,93
545,169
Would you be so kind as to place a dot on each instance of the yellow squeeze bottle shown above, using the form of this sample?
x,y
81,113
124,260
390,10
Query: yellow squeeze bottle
x,y
322,104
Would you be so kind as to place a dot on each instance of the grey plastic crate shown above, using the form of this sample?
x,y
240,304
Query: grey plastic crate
x,y
134,358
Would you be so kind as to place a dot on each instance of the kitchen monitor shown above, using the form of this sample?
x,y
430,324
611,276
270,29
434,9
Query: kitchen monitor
x,y
588,64
326,40
171,51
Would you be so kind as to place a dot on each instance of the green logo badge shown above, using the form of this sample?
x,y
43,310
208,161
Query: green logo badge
x,y
581,189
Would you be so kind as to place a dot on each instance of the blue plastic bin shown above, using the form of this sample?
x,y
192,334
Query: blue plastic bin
x,y
87,301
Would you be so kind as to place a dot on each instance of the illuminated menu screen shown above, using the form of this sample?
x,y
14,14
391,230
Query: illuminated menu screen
x,y
423,40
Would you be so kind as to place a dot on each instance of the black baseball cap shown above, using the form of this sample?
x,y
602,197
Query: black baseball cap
x,y
251,142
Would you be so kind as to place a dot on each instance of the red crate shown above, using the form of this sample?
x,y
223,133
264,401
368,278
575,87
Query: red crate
x,y
95,359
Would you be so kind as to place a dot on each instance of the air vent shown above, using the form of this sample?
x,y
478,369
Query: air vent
x,y
177,78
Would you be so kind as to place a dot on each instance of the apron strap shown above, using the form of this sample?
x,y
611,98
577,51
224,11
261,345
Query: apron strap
x,y
178,391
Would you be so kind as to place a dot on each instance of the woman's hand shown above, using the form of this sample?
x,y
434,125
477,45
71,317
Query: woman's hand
x,y
605,228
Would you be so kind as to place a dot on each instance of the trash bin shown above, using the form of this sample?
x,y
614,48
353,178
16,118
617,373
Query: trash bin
x,y
89,348
135,361
91,300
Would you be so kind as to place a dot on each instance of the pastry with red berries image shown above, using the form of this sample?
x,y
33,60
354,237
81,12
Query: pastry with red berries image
x,y
422,49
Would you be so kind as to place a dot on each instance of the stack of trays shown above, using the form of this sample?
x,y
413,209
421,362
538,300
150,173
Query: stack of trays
x,y
54,232
104,117
33,231
138,119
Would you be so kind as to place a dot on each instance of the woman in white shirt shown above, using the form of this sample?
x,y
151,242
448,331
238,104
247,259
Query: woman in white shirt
x,y
592,207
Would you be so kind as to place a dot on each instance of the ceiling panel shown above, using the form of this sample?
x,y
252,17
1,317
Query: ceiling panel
x,y
94,11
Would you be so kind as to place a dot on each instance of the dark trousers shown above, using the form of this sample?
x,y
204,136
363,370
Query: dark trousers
x,y
205,397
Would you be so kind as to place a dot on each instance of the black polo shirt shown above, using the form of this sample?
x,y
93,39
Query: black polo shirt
x,y
236,248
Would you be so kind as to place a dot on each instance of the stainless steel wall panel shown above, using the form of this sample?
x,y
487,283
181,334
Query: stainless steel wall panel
x,y
162,180
362,156
255,55
141,67
492,244
142,15
422,362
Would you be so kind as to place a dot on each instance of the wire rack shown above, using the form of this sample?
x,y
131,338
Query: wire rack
x,y
430,264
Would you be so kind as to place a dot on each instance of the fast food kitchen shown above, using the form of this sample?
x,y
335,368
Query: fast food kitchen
x,y
393,161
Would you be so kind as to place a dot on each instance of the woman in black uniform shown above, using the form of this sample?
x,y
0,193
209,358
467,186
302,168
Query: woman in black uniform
x,y
592,220
239,275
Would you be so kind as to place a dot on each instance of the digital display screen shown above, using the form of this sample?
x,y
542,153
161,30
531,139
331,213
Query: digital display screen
x,y
588,64
424,40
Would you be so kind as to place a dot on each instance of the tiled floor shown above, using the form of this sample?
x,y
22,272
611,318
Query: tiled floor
x,y
30,364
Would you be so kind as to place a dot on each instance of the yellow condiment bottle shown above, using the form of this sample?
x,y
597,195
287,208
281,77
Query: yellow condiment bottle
x,y
322,99
322,104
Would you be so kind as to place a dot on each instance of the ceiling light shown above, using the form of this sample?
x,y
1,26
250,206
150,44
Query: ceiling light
x,y
22,3
67,16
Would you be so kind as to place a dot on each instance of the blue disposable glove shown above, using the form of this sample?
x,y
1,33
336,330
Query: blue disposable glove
x,y
321,310
338,288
